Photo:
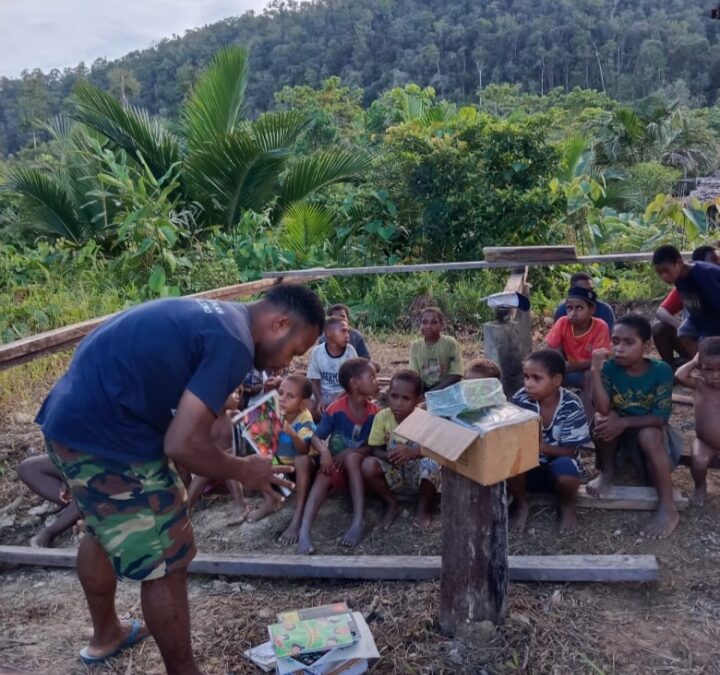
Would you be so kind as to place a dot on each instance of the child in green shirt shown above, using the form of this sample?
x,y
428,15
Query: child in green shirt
x,y
436,357
632,395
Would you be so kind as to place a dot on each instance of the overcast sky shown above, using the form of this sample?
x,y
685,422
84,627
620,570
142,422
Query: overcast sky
x,y
51,34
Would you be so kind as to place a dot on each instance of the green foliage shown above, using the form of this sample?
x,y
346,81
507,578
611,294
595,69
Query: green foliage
x,y
652,178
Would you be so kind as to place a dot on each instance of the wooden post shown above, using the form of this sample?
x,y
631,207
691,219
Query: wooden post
x,y
508,342
474,577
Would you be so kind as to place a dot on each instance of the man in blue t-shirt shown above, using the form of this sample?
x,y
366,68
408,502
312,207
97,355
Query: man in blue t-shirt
x,y
602,310
699,286
141,395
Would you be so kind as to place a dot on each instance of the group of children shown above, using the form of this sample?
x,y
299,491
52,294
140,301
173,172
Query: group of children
x,y
339,439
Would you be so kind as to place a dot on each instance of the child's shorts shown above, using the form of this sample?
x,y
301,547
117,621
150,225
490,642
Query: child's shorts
x,y
407,477
137,512
339,480
543,478
628,449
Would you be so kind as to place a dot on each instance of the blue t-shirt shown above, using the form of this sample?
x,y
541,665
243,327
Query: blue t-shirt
x,y
338,425
125,381
700,292
602,311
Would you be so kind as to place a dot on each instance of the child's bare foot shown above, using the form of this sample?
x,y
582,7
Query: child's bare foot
x,y
354,535
422,520
391,513
698,497
41,540
290,536
305,545
265,509
568,518
239,514
599,487
519,512
662,525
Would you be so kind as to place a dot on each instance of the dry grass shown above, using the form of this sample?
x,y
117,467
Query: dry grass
x,y
669,628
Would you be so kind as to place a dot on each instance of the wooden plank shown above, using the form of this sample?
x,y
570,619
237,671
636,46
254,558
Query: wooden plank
x,y
521,568
474,578
42,344
682,399
610,258
534,254
621,498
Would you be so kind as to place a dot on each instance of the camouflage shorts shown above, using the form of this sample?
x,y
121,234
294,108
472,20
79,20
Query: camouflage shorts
x,y
137,512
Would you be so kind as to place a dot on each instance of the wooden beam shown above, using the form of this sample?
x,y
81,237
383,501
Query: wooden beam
x,y
535,254
42,344
621,498
682,399
611,258
552,568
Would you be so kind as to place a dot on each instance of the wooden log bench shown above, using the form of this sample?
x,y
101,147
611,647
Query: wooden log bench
x,y
621,498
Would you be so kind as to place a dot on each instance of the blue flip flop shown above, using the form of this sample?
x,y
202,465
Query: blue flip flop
x,y
131,640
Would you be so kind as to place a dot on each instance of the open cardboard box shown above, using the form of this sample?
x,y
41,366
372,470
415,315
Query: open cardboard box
x,y
487,454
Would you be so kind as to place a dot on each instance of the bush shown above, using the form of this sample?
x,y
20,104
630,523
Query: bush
x,y
652,178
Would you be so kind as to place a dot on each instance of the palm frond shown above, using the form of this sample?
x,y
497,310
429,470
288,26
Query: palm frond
x,y
577,158
132,129
323,168
50,206
234,174
274,131
216,105
305,226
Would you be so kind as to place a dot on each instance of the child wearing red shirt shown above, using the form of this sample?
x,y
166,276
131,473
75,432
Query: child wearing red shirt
x,y
577,335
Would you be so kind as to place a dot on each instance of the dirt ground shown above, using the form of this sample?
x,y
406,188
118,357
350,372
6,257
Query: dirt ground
x,y
668,627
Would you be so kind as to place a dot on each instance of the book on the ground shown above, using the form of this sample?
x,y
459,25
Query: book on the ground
x,y
322,634
313,612
263,656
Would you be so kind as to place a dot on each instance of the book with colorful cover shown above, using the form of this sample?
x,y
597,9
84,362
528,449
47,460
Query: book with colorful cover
x,y
313,612
259,427
295,638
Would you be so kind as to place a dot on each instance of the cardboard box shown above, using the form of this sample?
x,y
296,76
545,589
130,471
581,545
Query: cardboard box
x,y
487,453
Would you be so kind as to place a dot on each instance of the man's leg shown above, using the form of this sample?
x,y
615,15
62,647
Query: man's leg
x,y
318,494
99,582
652,443
665,339
166,610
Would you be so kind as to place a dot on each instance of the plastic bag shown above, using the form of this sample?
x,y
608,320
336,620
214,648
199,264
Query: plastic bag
x,y
468,395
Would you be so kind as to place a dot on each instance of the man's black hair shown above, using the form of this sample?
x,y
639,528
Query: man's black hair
x,y
338,308
710,347
411,377
300,301
638,323
353,368
580,276
666,254
550,359
701,253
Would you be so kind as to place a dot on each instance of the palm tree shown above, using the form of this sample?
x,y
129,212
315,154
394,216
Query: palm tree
x,y
228,163
223,162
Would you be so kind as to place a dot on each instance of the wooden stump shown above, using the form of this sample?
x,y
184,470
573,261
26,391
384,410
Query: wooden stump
x,y
508,343
474,577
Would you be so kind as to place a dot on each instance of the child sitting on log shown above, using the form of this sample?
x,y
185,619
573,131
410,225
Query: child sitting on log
x,y
44,479
702,375
577,335
326,360
632,395
403,465
482,369
436,357
344,461
564,429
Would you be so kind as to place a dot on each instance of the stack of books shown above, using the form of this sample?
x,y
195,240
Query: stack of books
x,y
327,640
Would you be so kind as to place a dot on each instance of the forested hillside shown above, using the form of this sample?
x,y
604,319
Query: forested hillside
x,y
628,48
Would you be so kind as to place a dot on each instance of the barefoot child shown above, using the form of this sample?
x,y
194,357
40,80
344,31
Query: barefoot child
x,y
632,395
482,369
436,357
702,375
221,434
402,463
346,424
577,335
44,479
325,361
293,448
564,429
